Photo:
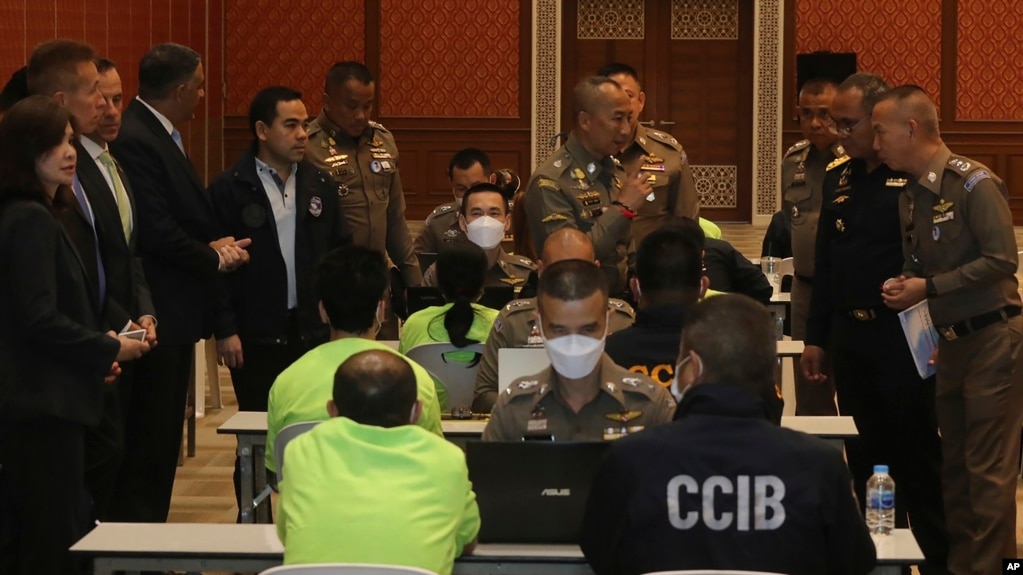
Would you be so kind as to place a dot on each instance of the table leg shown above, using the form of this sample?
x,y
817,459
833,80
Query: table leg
x,y
247,463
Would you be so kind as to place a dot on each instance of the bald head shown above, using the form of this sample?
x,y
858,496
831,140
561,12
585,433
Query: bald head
x,y
375,388
567,244
594,93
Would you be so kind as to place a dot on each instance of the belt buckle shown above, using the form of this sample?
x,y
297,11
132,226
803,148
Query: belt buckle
x,y
948,333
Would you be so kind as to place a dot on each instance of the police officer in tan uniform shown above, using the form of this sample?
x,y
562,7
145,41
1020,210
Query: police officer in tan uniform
x,y
516,325
583,395
657,155
362,159
466,168
960,252
485,220
802,177
579,186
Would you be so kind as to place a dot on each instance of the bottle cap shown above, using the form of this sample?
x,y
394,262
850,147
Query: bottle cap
x,y
881,469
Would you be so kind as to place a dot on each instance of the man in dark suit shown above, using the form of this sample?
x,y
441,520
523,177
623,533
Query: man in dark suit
x,y
290,210
129,304
182,252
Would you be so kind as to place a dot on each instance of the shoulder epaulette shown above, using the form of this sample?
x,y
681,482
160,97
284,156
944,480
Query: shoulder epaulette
x,y
837,162
666,139
517,305
621,306
801,144
378,126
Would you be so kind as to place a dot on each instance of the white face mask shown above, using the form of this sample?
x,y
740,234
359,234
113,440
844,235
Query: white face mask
x,y
573,356
676,386
485,231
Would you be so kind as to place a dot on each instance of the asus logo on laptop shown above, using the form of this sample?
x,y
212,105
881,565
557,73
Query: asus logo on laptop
x,y
552,492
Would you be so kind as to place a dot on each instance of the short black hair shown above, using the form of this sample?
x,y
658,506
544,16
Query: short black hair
x,y
461,272
616,68
53,66
817,86
165,67
870,85
736,341
375,387
264,106
467,158
586,95
670,258
104,65
15,90
341,72
571,280
351,280
482,188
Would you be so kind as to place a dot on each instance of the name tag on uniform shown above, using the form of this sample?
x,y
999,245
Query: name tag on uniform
x,y
945,217
536,425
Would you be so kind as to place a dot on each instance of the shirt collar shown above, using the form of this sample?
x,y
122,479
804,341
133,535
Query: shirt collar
x,y
936,167
591,167
167,124
92,147
262,166
722,399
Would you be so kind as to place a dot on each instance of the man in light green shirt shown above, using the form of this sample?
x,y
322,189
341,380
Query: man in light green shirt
x,y
352,283
367,486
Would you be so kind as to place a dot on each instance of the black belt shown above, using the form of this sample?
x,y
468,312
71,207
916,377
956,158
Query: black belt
x,y
804,279
868,313
976,323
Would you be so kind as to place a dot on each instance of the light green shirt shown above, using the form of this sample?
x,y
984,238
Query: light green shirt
x,y
427,326
367,494
301,391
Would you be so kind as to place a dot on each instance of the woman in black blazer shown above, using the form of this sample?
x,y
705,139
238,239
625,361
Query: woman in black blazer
x,y
54,358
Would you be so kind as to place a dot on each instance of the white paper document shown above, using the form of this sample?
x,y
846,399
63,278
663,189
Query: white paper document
x,y
921,336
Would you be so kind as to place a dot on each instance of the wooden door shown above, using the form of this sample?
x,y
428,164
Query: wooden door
x,y
695,60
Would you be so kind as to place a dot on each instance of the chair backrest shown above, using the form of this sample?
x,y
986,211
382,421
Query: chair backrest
x,y
713,572
458,378
516,362
345,569
281,441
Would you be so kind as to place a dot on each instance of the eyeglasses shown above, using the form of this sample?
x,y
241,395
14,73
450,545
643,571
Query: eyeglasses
x,y
845,127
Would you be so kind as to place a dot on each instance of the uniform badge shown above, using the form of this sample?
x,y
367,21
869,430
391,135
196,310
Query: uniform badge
x,y
611,387
844,180
936,233
896,182
800,175
376,143
931,177
557,163
534,339
654,160
623,416
591,167
536,425
342,190
451,233
974,179
653,167
650,197
332,151
944,206
331,141
323,144
958,163
376,167
840,199
554,218
631,381
498,324
944,217
528,384
840,225
315,206
578,174
547,183
795,212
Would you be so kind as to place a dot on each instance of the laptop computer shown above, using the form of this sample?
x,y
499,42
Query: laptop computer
x,y
532,491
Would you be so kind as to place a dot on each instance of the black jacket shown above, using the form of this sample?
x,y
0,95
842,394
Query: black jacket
x,y
647,510
730,271
257,303
128,296
650,346
175,225
53,354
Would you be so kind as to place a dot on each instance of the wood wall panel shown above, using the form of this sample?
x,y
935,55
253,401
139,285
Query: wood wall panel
x,y
123,30
424,158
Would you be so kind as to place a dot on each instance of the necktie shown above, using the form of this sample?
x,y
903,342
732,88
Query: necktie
x,y
177,140
76,186
123,204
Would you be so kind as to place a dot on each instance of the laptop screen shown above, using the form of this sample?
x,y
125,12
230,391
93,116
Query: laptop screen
x,y
532,491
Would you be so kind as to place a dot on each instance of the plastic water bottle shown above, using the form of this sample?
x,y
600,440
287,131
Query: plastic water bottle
x,y
880,502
